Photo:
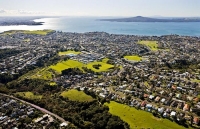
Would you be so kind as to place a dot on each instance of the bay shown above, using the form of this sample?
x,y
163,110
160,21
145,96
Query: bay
x,y
91,24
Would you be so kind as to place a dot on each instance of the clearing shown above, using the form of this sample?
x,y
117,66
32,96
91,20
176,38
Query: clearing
x,y
68,53
103,66
133,58
138,119
39,73
29,95
153,45
76,95
59,67
38,32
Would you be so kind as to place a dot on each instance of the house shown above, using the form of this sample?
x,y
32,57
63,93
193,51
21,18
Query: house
x,y
64,124
151,97
163,100
143,103
186,107
157,99
149,106
161,110
196,120
173,114
166,115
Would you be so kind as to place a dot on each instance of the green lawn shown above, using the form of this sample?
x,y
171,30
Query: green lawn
x,y
102,68
153,45
138,119
29,95
105,60
39,32
76,64
68,52
76,95
67,64
133,58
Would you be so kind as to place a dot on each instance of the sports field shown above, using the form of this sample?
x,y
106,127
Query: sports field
x,y
133,58
68,52
59,67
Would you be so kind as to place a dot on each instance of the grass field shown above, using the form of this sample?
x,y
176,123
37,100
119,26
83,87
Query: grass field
x,y
133,58
102,68
68,52
39,32
105,60
76,95
67,64
195,80
44,73
153,45
29,95
76,64
138,119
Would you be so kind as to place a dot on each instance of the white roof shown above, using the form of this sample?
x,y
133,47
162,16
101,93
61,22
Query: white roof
x,y
63,124
173,113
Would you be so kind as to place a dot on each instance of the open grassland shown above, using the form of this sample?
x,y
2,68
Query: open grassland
x,y
133,58
68,52
153,45
39,73
29,95
38,32
103,66
76,64
66,65
105,60
76,95
44,74
138,119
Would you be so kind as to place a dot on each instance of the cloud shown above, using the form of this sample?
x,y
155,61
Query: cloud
x,y
2,11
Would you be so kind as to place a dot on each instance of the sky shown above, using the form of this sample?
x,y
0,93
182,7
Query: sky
x,y
167,8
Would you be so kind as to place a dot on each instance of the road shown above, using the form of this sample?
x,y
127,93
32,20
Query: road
x,y
37,107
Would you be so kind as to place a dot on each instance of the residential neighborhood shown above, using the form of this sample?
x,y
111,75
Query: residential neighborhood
x,y
164,81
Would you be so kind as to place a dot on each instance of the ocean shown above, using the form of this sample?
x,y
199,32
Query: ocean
x,y
91,24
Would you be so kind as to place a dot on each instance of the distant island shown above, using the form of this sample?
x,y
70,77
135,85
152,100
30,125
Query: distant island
x,y
11,21
147,19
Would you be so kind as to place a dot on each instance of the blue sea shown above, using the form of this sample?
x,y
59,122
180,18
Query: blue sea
x,y
91,24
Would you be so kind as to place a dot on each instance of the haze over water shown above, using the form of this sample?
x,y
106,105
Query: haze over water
x,y
91,24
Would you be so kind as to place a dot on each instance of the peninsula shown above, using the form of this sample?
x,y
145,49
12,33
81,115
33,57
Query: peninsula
x,y
148,19
11,21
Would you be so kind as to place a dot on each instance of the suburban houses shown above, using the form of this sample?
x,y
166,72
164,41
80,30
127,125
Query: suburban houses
x,y
165,81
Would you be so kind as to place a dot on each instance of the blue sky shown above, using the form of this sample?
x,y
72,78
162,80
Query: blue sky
x,y
170,8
